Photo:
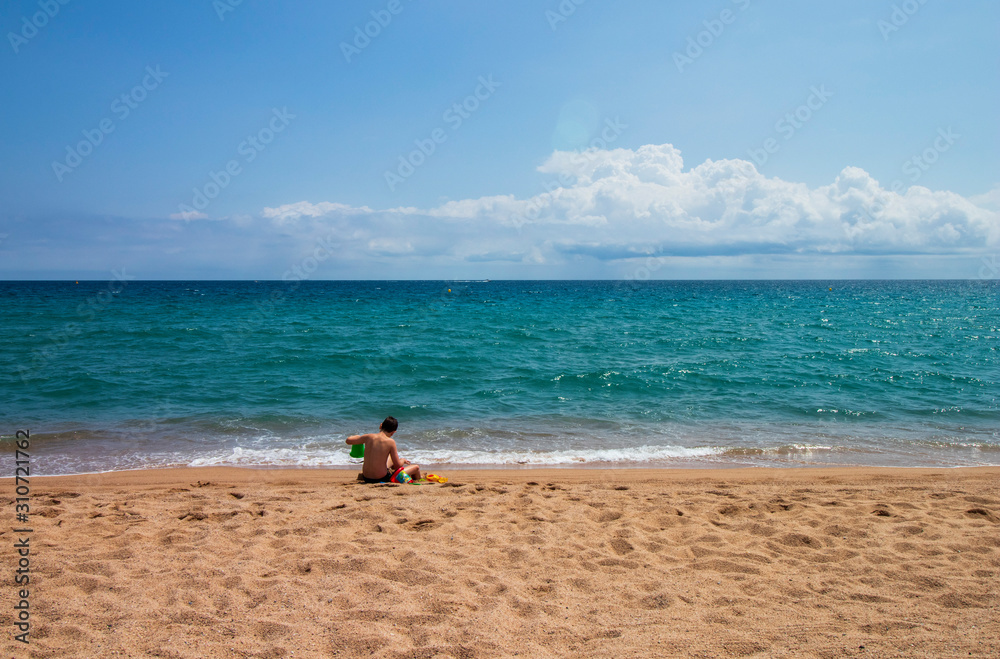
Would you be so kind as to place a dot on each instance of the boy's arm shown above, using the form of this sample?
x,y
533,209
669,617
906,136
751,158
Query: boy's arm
x,y
394,456
358,439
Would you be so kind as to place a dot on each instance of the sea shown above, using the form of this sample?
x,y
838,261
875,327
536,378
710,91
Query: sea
x,y
124,374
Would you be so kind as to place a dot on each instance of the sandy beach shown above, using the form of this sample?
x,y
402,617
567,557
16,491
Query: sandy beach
x,y
538,563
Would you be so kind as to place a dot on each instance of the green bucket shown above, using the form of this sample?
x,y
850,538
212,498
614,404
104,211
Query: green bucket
x,y
357,450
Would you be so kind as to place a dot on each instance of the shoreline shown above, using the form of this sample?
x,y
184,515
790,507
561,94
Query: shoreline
x,y
477,472
556,468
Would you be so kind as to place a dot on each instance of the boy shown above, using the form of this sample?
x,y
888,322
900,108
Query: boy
x,y
382,462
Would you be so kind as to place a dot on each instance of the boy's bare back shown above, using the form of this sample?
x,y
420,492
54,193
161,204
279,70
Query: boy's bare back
x,y
379,448
381,457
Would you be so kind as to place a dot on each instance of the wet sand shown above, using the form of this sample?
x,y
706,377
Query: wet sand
x,y
539,563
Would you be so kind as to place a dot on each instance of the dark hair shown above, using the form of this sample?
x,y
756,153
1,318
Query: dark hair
x,y
389,425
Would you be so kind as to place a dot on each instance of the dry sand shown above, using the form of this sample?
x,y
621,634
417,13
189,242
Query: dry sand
x,y
536,563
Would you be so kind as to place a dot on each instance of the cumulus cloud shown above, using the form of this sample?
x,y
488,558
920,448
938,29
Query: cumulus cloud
x,y
989,200
622,203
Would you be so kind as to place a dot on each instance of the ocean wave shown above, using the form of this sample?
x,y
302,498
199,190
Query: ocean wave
x,y
277,457
788,449
638,455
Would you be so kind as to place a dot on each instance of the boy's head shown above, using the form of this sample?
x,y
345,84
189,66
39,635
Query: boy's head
x,y
389,425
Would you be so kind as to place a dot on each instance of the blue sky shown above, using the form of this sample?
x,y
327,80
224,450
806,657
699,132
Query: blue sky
x,y
470,139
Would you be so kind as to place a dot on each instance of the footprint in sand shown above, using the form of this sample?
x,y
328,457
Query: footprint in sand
x,y
621,546
800,540
982,513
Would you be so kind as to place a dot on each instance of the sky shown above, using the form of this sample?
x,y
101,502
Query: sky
x,y
467,139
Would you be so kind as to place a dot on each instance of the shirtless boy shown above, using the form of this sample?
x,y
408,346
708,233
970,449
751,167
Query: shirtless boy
x,y
382,462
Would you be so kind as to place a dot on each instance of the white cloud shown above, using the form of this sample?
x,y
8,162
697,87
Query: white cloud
x,y
290,212
188,215
623,203
389,247
989,200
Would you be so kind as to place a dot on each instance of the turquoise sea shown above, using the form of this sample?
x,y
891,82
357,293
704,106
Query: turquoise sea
x,y
133,374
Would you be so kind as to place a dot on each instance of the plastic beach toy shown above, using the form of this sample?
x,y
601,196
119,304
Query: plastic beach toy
x,y
357,450
434,478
